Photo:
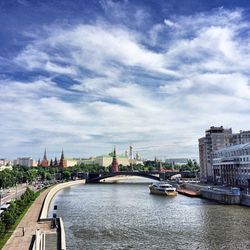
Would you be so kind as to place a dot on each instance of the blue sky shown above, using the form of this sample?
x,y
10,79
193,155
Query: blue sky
x,y
85,75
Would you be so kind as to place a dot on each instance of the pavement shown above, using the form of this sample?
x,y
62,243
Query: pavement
x,y
29,224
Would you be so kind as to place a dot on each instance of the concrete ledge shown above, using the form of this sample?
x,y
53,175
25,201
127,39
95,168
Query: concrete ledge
x,y
245,200
62,234
225,198
52,193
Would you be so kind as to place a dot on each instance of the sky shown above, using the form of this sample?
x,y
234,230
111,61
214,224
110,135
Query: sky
x,y
87,75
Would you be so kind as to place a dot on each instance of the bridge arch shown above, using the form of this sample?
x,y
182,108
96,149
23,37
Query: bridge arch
x,y
96,177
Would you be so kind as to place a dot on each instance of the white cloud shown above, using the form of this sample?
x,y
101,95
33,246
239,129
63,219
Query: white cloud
x,y
124,91
168,23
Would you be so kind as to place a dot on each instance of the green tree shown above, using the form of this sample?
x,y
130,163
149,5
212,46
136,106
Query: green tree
x,y
10,216
48,176
66,175
2,228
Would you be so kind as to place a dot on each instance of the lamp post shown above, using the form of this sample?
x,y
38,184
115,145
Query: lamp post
x,y
16,188
1,192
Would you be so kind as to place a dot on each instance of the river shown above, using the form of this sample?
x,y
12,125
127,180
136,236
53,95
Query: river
x,y
126,216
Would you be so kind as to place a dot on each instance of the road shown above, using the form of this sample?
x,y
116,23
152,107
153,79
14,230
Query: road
x,y
14,192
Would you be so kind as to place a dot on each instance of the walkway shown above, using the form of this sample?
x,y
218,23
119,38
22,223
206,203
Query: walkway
x,y
30,225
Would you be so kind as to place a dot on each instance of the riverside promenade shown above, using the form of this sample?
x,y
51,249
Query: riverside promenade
x,y
30,224
35,220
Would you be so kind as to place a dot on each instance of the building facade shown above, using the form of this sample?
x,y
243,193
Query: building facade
x,y
231,165
215,138
25,161
106,160
177,161
240,138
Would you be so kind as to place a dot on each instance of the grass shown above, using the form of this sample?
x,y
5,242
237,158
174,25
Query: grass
x,y
9,232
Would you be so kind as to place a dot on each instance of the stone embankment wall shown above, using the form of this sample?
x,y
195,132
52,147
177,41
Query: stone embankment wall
x,y
245,200
52,193
45,209
220,196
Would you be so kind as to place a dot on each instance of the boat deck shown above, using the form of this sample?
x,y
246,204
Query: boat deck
x,y
188,192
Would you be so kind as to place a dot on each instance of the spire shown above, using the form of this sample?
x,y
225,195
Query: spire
x,y
62,155
45,162
130,152
51,163
45,155
114,152
55,162
63,162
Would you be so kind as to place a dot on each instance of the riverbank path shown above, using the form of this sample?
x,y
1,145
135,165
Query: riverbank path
x,y
28,226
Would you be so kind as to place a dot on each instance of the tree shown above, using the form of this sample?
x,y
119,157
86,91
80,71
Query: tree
x,y
66,175
2,228
9,217
48,176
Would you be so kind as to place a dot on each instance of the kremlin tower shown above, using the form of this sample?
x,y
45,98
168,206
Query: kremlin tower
x,y
114,165
45,162
63,162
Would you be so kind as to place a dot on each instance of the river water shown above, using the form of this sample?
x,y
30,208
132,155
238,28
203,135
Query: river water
x,y
126,216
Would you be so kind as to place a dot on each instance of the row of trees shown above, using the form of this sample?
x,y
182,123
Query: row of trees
x,y
148,166
21,174
15,209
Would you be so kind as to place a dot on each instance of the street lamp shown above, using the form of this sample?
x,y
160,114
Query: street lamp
x,y
16,187
1,192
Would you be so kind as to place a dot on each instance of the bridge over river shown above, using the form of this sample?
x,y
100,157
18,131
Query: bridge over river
x,y
154,175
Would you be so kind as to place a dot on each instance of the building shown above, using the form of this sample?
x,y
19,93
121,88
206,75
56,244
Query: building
x,y
71,162
44,162
5,162
62,162
215,138
114,164
106,160
240,138
231,165
177,161
25,161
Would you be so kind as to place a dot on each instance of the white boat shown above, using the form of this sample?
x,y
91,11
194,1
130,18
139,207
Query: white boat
x,y
162,188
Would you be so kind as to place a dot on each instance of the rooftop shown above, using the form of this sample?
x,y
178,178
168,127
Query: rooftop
x,y
234,147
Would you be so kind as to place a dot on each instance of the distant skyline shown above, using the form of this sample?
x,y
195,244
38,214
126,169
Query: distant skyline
x,y
87,75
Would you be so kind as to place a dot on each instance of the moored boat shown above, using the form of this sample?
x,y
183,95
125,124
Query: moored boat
x,y
162,188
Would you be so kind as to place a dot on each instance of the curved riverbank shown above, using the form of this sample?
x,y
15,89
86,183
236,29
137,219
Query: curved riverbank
x,y
31,226
52,193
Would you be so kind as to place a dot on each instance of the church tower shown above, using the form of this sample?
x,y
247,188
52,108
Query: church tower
x,y
114,164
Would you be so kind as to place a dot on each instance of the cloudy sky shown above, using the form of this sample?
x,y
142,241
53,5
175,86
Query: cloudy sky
x,y
85,75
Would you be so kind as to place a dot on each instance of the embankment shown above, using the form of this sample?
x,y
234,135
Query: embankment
x,y
52,193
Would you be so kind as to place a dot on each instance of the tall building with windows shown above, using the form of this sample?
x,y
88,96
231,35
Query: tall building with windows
x,y
240,138
25,161
232,165
215,138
